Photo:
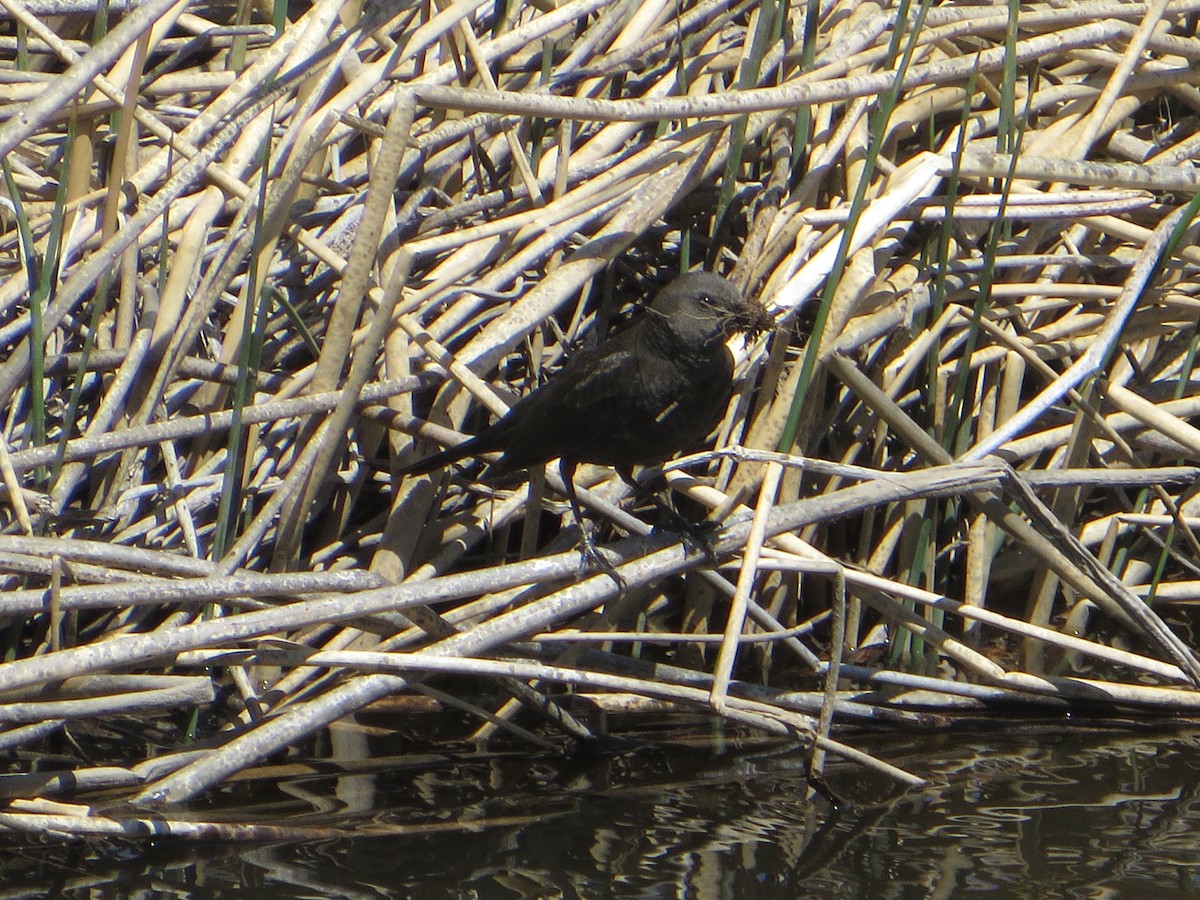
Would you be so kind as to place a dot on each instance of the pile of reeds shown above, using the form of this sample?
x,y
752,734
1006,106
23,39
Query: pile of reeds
x,y
251,260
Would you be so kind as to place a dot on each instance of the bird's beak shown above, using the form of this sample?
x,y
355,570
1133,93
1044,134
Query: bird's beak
x,y
752,320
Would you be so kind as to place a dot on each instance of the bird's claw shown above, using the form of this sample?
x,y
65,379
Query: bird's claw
x,y
589,554
699,537
696,534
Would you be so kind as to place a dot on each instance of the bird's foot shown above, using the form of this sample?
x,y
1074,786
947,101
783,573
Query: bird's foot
x,y
696,534
589,554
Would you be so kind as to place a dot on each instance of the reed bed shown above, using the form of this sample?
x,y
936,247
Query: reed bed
x,y
256,259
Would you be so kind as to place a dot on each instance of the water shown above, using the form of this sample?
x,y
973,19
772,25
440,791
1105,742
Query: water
x,y
1108,814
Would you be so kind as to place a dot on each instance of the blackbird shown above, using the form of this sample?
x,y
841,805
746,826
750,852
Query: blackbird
x,y
651,390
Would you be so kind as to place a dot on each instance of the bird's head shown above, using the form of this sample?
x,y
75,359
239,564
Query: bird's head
x,y
701,309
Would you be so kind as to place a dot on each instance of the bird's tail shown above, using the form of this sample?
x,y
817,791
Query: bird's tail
x,y
439,460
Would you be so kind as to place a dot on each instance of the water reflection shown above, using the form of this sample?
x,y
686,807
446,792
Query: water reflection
x,y
1034,815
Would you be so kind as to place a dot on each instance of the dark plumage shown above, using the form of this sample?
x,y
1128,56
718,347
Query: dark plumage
x,y
648,392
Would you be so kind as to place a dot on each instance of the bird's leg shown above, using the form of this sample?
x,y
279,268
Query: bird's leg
x,y
697,534
587,547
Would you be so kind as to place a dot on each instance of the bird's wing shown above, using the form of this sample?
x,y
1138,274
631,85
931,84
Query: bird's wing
x,y
588,399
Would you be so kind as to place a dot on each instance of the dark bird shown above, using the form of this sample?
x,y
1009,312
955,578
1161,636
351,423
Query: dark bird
x,y
651,390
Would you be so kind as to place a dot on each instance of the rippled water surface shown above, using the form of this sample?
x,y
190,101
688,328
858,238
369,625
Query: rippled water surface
x,y
1023,814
